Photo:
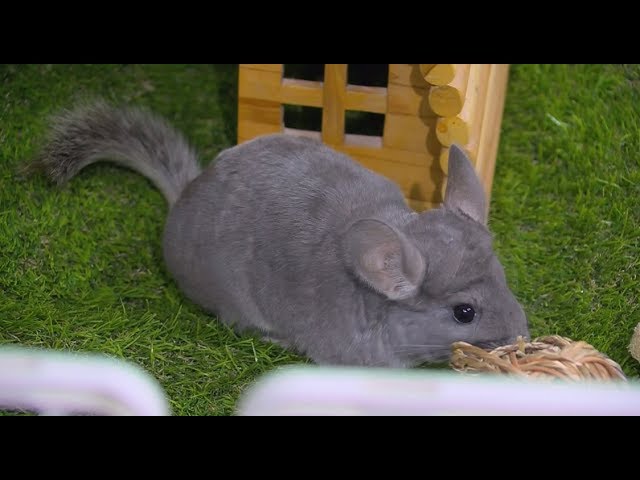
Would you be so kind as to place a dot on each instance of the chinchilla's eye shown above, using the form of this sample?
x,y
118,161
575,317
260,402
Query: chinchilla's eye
x,y
464,313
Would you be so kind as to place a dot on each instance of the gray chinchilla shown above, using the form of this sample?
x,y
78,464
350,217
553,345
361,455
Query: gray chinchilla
x,y
287,237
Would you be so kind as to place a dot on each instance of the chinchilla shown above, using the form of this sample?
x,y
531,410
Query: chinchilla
x,y
286,237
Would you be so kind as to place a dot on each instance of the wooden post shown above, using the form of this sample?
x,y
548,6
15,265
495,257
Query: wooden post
x,y
259,108
448,100
477,97
464,129
438,73
491,122
450,130
333,103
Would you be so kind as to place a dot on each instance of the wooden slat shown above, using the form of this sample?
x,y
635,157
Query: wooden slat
x,y
366,99
477,98
415,182
491,122
333,103
443,186
400,157
406,74
260,111
439,73
364,141
407,100
364,146
471,115
407,132
448,100
269,86
248,129
298,132
301,92
444,160
464,129
268,67
259,85
391,170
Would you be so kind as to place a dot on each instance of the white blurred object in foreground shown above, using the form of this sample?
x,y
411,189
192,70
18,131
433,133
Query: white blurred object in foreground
x,y
359,391
61,383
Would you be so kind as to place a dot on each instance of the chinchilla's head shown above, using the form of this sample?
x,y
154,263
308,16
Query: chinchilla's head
x,y
439,274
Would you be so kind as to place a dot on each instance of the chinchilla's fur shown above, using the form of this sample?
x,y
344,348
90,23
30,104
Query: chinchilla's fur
x,y
287,237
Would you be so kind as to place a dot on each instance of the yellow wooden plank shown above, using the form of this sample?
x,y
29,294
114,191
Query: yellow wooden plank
x,y
366,99
259,85
260,111
298,132
364,141
418,183
407,100
444,160
248,129
467,132
367,146
363,145
408,132
301,92
409,183
491,123
475,103
464,128
269,67
416,180
333,103
400,157
448,100
406,74
269,86
443,186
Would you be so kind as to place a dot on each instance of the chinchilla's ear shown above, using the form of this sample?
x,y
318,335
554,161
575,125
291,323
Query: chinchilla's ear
x,y
464,191
384,258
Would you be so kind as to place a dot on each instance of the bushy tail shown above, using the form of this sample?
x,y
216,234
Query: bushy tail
x,y
131,137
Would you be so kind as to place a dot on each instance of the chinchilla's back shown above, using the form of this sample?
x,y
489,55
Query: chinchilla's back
x,y
275,204
287,236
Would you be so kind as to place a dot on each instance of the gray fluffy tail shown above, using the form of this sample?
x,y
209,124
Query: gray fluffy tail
x,y
131,137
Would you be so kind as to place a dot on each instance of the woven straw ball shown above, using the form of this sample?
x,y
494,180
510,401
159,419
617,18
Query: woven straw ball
x,y
634,346
546,357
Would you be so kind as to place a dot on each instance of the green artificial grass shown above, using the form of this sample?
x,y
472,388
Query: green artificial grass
x,y
566,201
81,266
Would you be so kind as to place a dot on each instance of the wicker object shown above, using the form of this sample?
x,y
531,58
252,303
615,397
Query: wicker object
x,y
546,357
634,346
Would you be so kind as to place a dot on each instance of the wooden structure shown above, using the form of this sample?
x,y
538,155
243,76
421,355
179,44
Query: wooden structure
x,y
427,107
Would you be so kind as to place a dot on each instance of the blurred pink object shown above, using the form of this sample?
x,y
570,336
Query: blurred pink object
x,y
365,391
63,383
